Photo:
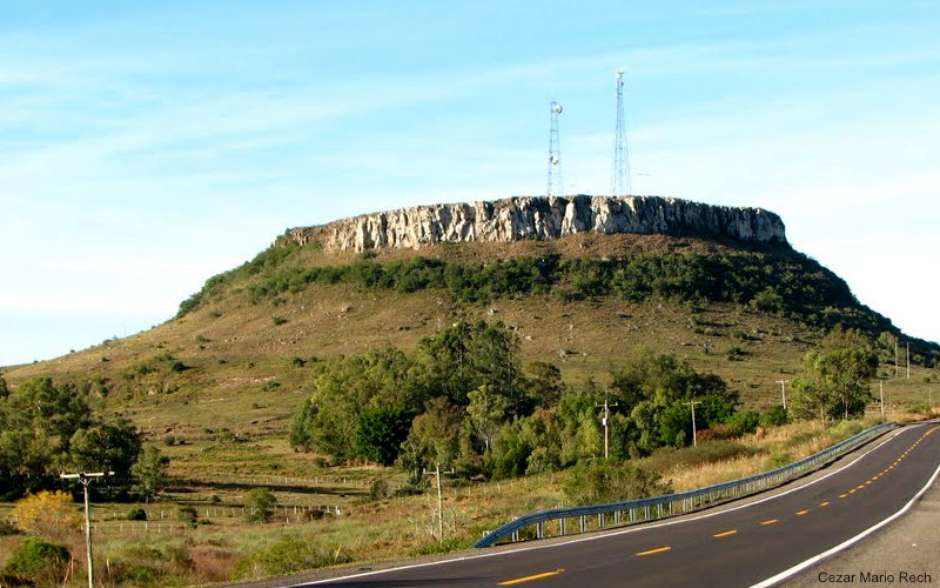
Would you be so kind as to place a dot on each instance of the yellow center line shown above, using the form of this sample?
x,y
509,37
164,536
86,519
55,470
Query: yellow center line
x,y
770,522
824,504
853,490
725,534
867,482
802,512
654,551
860,486
530,578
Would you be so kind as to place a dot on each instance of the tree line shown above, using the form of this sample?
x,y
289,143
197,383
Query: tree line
x,y
464,400
47,429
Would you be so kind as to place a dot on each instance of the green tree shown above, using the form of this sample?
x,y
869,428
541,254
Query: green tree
x,y
655,390
835,378
45,428
4,390
150,473
259,505
545,385
488,410
380,434
110,445
343,389
435,435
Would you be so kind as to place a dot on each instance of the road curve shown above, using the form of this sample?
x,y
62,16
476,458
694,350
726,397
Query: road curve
x,y
754,543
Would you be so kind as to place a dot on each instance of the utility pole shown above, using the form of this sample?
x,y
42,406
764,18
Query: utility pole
x,y
908,361
440,499
85,478
881,388
897,366
605,420
783,391
692,403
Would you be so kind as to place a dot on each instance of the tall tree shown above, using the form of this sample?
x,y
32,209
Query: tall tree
x,y
150,473
835,378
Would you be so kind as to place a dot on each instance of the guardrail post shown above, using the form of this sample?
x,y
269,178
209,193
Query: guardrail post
x,y
561,526
601,521
617,517
582,521
540,530
647,513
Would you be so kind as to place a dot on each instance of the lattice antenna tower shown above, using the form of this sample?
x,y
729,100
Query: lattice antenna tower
x,y
554,185
620,171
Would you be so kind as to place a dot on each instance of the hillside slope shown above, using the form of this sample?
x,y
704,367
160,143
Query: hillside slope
x,y
237,355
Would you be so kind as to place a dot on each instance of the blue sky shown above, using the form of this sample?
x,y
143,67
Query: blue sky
x,y
147,146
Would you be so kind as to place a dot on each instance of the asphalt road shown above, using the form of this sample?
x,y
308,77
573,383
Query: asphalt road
x,y
739,546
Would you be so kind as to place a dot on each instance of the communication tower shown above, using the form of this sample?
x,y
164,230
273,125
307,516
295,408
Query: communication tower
x,y
620,172
554,185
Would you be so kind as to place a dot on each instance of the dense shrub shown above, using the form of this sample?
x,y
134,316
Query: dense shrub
x,y
259,505
288,555
137,514
742,423
596,482
38,561
379,489
774,417
52,514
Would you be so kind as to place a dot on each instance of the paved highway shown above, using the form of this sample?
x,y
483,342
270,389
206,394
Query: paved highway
x,y
759,543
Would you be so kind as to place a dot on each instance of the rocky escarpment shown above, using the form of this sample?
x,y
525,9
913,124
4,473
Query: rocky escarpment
x,y
542,218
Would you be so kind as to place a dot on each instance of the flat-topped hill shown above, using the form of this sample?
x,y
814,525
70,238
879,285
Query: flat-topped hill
x,y
582,281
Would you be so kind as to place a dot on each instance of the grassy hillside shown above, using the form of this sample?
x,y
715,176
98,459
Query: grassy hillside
x,y
236,357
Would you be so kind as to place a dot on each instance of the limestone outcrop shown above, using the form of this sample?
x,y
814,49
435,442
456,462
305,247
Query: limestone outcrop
x,y
542,218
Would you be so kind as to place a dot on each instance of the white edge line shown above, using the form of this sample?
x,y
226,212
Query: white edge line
x,y
849,542
596,537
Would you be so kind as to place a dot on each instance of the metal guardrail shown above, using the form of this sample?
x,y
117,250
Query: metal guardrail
x,y
534,525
